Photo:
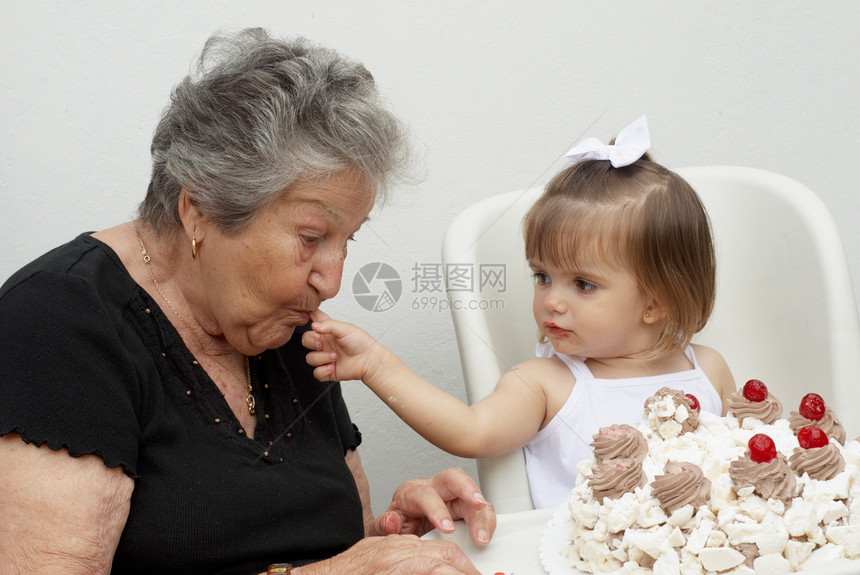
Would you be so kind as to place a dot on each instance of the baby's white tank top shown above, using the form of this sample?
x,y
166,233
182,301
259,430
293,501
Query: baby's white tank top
x,y
553,454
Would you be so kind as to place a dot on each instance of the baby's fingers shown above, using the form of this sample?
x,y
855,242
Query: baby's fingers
x,y
323,361
325,373
319,358
312,340
323,324
319,315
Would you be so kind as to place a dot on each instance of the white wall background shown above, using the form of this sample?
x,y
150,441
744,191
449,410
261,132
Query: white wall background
x,y
494,93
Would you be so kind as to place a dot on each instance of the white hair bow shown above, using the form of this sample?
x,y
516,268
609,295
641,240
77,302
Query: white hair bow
x,y
630,144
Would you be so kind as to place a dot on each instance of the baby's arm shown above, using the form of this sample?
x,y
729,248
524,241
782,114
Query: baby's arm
x,y
717,370
503,421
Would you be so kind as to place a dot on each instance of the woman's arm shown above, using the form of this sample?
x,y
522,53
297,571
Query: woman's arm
x,y
353,462
503,421
60,514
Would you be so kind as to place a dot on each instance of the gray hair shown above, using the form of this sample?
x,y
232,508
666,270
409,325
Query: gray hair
x,y
260,114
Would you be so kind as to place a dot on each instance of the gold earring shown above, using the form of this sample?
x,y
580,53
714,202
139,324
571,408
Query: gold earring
x,y
194,248
647,315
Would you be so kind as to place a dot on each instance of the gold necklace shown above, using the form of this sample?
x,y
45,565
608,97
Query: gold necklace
x,y
249,397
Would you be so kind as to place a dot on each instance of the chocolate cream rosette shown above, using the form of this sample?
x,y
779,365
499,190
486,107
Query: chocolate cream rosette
x,y
816,456
613,478
681,484
619,442
755,401
765,470
813,411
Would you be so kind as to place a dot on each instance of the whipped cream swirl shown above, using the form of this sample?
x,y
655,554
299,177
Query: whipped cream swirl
x,y
683,483
820,463
771,480
615,477
829,423
619,442
767,411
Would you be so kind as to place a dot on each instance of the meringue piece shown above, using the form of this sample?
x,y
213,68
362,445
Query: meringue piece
x,y
651,515
753,506
801,519
772,564
776,506
827,552
847,536
851,452
717,538
740,532
720,558
773,536
668,563
622,514
830,511
583,513
690,564
682,516
676,538
834,489
670,428
854,512
598,556
699,536
646,541
797,552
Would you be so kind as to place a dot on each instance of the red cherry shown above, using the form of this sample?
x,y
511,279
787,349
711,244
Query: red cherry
x,y
762,448
812,406
755,390
812,436
694,403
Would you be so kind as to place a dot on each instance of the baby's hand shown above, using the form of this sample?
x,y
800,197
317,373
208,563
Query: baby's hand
x,y
342,351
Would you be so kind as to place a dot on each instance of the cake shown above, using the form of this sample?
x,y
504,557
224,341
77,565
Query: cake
x,y
686,493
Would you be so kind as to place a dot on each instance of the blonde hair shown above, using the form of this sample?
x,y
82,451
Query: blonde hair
x,y
643,218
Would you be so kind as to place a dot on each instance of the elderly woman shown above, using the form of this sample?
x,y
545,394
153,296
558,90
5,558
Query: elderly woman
x,y
156,411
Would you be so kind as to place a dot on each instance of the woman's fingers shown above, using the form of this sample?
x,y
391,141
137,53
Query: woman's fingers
x,y
404,555
465,501
441,499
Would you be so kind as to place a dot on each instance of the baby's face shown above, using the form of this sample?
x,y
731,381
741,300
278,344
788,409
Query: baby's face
x,y
595,310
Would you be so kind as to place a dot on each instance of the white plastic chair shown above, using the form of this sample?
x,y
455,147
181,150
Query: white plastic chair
x,y
785,310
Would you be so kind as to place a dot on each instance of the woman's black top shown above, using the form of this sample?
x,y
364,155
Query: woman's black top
x,y
90,363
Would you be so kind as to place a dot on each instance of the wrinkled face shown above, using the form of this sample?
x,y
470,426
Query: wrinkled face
x,y
594,311
263,282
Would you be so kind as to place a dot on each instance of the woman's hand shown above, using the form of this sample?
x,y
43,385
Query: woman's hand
x,y
419,505
395,555
342,351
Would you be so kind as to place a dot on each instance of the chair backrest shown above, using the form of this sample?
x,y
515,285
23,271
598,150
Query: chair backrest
x,y
785,310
